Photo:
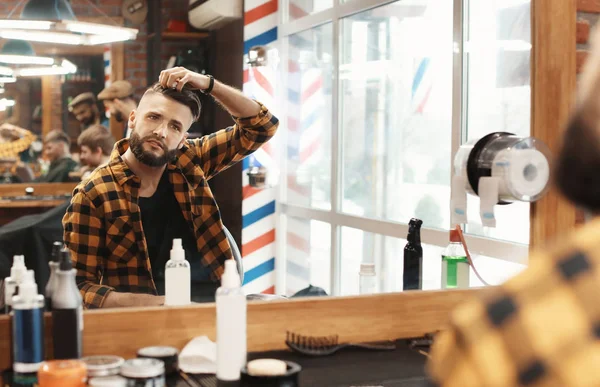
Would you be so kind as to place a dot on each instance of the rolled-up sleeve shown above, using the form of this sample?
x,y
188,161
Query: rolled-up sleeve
x,y
219,150
84,236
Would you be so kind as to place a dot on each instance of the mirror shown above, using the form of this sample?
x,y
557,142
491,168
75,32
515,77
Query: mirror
x,y
42,105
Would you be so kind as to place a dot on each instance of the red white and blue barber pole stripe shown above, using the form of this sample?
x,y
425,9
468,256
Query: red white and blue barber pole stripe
x,y
422,85
305,125
107,70
258,205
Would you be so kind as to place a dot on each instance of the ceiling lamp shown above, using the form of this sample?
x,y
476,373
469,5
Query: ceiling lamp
x,y
19,52
53,21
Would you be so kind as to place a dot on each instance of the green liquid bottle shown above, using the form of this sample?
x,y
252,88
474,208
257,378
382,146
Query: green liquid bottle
x,y
455,265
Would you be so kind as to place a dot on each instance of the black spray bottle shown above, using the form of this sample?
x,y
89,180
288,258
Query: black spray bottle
x,y
67,311
413,257
28,326
54,258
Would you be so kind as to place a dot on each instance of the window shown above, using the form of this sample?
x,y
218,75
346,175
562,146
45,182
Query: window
x,y
396,112
308,255
308,117
371,121
298,9
497,78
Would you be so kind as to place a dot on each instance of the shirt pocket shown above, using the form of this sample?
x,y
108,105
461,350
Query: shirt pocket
x,y
120,239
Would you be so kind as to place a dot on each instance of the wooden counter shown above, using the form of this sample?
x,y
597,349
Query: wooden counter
x,y
11,209
7,204
355,319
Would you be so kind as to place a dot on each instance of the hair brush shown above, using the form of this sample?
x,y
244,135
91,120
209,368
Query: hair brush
x,y
323,346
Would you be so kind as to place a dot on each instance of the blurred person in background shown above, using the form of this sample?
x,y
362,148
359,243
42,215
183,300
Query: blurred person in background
x,y
85,110
95,145
118,100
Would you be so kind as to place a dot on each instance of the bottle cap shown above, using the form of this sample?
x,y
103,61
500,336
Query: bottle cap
x,y
28,288
231,277
65,260
142,368
414,222
454,236
367,268
56,247
168,355
103,365
18,269
62,373
177,252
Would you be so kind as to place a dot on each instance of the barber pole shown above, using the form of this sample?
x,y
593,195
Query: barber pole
x,y
305,128
258,205
107,71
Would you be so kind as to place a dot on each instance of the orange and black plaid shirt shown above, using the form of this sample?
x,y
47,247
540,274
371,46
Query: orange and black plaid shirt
x,y
12,149
103,226
541,328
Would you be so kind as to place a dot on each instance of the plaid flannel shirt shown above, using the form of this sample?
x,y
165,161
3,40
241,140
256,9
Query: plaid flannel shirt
x,y
103,227
541,328
13,148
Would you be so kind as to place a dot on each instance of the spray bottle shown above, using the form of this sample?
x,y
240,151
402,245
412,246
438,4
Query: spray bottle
x,y
11,284
28,326
67,311
455,265
231,325
54,258
413,257
177,277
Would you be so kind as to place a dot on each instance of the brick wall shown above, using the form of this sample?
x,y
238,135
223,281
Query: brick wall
x,y
588,13
135,51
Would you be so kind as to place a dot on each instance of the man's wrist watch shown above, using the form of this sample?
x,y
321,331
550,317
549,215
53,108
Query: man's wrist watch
x,y
211,84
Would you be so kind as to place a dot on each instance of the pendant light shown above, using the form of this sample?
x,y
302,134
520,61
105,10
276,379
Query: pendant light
x,y
53,21
21,53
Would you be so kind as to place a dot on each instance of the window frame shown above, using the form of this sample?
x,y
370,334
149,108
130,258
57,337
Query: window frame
x,y
503,250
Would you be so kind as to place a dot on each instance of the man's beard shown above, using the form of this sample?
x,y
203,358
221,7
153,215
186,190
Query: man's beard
x,y
88,121
146,157
578,164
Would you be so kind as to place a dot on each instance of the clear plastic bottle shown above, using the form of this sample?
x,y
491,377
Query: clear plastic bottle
x,y
231,325
177,277
11,284
367,279
455,265
28,326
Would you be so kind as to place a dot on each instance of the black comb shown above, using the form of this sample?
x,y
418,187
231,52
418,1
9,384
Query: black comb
x,y
328,345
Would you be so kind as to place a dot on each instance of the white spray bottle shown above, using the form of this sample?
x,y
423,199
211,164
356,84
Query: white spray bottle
x,y
177,277
11,284
231,325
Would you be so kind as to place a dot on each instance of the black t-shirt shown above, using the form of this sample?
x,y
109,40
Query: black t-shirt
x,y
163,221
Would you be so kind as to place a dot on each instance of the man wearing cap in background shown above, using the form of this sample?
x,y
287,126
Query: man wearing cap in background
x,y
85,110
118,100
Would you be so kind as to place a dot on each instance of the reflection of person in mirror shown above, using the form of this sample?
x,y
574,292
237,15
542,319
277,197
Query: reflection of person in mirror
x,y
95,144
84,109
56,150
118,100
542,327
122,219
14,140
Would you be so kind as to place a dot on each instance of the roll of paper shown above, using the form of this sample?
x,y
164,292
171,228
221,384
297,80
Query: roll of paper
x,y
523,174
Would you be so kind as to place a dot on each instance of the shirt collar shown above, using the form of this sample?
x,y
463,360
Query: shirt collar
x,y
187,162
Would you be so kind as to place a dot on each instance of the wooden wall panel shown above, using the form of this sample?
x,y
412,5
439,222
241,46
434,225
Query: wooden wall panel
x,y
553,78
